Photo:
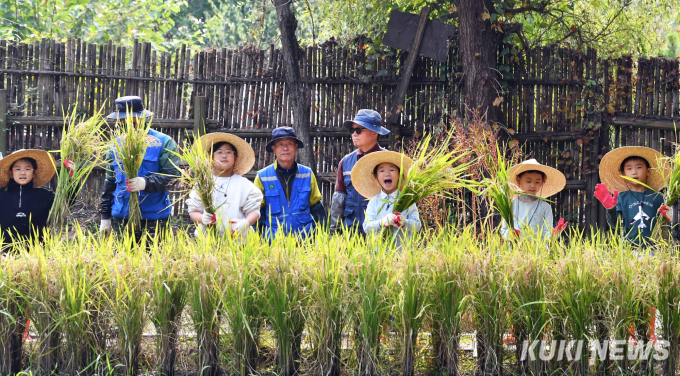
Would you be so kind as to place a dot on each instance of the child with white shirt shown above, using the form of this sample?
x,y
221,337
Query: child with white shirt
x,y
529,212
236,199
377,175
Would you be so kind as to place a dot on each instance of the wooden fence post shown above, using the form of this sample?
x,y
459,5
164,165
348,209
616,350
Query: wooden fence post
x,y
4,127
200,113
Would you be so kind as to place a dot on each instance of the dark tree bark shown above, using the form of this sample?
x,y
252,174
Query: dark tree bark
x,y
479,44
296,90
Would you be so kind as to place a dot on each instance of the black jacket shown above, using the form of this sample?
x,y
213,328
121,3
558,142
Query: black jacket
x,y
24,209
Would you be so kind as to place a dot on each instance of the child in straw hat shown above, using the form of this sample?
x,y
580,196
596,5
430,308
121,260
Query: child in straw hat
x,y
378,175
26,206
236,199
535,179
638,204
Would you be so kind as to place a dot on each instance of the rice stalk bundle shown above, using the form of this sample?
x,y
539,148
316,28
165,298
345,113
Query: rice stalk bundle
x,y
449,296
498,187
489,304
169,289
131,140
81,145
412,289
205,285
128,280
285,289
371,290
436,171
329,301
240,301
198,174
12,314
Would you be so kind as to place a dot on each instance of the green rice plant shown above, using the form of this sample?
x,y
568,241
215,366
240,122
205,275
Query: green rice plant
x,y
411,298
198,174
668,303
81,146
497,187
285,291
488,284
578,296
169,290
528,268
371,284
80,302
204,279
449,295
240,300
329,301
131,139
127,279
436,171
12,314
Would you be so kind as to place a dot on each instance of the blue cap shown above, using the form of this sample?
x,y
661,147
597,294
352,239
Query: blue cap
x,y
368,119
283,132
131,103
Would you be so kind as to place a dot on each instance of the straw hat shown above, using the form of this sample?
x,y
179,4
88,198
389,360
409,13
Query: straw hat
x,y
362,173
610,167
44,173
554,180
246,155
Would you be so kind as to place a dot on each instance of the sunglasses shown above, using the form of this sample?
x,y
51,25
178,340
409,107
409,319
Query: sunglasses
x,y
355,130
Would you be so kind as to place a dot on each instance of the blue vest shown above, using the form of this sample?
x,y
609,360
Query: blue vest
x,y
355,204
153,205
293,216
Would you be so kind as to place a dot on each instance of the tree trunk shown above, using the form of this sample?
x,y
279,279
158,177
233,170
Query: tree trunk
x,y
296,90
479,47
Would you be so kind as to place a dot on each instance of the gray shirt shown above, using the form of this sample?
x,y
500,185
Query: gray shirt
x,y
536,215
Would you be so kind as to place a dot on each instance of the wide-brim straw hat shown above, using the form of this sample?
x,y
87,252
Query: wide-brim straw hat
x,y
554,180
245,160
45,162
610,167
362,173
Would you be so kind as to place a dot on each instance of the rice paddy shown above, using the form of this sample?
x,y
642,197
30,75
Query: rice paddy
x,y
449,304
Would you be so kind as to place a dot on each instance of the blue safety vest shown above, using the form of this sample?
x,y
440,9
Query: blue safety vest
x,y
153,205
355,204
294,216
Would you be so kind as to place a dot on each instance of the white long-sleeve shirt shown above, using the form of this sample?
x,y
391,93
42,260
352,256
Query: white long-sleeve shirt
x,y
234,198
537,215
378,208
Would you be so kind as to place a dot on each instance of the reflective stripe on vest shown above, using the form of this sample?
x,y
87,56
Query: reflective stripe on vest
x,y
154,205
293,216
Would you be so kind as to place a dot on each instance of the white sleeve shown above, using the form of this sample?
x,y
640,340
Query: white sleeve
x,y
413,219
548,218
194,203
371,223
251,198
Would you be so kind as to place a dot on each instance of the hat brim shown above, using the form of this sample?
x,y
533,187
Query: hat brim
x,y
554,179
123,115
363,179
610,167
377,129
46,166
271,143
245,159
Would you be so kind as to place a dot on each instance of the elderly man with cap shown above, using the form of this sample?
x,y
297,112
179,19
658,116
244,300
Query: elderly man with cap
x,y
292,200
154,177
348,207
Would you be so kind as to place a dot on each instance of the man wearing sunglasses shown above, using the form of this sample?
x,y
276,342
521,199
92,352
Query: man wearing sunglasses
x,y
348,207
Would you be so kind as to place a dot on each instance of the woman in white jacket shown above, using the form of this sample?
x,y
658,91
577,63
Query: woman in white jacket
x,y
236,199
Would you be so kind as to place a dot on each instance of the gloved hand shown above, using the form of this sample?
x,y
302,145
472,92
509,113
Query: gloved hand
x,y
208,218
561,225
105,227
400,221
135,184
602,194
388,220
666,212
240,226
517,233
70,166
